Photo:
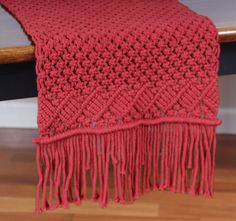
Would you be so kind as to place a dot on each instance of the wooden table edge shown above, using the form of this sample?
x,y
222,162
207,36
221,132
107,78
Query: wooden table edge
x,y
17,54
227,34
26,53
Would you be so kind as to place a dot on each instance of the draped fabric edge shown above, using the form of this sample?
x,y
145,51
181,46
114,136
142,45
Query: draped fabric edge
x,y
124,162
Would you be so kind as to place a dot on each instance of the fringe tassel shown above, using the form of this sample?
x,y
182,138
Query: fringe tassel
x,y
179,157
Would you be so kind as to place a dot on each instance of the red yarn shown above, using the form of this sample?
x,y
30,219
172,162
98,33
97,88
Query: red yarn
x,y
128,84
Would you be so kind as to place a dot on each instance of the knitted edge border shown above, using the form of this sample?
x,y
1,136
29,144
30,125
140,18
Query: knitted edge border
x,y
177,156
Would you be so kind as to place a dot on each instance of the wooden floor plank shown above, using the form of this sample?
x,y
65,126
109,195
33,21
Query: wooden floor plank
x,y
18,179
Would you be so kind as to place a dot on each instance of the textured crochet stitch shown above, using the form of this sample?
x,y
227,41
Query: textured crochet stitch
x,y
128,85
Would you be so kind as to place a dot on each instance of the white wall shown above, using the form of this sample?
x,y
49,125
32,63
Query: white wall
x,y
227,111
22,113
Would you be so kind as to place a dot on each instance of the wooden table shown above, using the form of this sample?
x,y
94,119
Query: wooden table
x,y
17,61
15,46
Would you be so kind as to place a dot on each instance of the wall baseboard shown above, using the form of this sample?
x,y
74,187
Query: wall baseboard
x,y
22,113
228,117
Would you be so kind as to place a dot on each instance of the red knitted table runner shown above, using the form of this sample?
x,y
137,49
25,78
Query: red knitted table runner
x,y
127,92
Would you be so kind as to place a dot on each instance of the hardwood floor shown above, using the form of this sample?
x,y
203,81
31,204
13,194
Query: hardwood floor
x,y
18,179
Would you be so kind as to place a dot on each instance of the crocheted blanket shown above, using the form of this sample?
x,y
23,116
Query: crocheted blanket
x,y
127,92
